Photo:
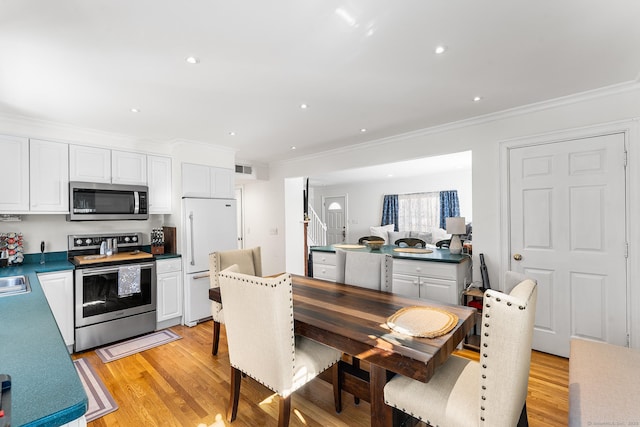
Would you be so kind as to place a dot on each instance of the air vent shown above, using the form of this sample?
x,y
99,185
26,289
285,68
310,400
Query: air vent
x,y
245,170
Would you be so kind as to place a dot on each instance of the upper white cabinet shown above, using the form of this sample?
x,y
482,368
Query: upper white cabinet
x,y
207,181
14,193
159,181
90,164
48,176
128,168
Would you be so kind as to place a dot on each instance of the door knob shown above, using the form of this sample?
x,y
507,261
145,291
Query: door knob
x,y
517,257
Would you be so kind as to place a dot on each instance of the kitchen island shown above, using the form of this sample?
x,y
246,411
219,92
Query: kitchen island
x,y
45,387
438,275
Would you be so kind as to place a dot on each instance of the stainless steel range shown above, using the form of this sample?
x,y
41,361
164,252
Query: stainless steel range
x,y
115,291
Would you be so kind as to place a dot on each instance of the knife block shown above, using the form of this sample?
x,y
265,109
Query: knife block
x,y
170,240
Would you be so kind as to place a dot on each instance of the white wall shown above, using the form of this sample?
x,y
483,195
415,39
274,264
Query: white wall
x,y
366,199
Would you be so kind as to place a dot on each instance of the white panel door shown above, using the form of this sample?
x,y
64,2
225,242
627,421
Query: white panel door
x,y
568,225
90,164
128,168
334,215
159,180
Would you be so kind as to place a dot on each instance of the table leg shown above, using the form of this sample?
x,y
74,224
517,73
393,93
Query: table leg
x,y
381,414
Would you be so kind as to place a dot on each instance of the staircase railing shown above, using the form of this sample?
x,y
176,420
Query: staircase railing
x,y
317,231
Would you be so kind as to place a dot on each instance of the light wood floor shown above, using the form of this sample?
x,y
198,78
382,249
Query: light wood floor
x,y
182,384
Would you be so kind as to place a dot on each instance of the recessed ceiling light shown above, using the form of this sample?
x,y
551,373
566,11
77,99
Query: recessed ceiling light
x,y
304,106
477,98
192,60
440,50
232,133
363,130
293,147
135,110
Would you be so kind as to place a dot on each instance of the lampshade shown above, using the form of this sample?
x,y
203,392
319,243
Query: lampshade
x,y
456,225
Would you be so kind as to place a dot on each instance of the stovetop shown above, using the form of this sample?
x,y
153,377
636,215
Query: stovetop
x,y
84,250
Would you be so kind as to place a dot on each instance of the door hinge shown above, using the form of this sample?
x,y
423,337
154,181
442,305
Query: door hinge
x,y
626,249
628,341
626,157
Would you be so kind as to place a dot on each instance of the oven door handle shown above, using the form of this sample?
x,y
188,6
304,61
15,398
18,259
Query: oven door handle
x,y
91,271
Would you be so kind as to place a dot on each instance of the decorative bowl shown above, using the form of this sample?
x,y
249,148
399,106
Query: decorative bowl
x,y
374,245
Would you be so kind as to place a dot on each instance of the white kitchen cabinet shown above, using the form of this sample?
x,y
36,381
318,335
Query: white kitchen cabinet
x,y
169,282
58,288
89,164
439,281
14,191
128,168
324,265
159,181
48,176
207,181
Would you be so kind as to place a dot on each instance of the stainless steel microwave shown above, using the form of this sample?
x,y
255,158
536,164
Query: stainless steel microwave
x,y
91,201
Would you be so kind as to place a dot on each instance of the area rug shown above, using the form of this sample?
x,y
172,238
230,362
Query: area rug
x,y
100,400
136,345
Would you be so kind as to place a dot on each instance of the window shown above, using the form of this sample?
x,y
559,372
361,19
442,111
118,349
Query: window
x,y
418,211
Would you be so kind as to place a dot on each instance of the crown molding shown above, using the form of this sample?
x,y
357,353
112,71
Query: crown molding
x,y
477,120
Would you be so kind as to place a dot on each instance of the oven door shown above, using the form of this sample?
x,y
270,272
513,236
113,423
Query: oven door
x,y
97,297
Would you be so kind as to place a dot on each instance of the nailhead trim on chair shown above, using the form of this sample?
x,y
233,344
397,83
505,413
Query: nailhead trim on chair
x,y
487,297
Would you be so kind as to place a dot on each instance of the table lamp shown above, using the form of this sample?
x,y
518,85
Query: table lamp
x,y
456,227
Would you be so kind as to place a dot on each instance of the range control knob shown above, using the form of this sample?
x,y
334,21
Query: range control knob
x,y
78,241
126,239
88,241
134,239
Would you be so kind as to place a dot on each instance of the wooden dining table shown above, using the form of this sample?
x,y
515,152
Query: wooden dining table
x,y
353,320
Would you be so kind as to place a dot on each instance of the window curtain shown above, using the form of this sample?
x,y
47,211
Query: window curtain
x,y
418,211
390,210
449,206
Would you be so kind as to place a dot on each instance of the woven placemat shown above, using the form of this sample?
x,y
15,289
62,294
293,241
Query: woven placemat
x,y
413,250
347,246
424,322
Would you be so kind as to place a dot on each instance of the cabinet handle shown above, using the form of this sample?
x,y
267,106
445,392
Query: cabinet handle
x,y
517,257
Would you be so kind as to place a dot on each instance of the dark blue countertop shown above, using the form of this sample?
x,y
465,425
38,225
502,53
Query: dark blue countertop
x,y
438,255
159,257
45,387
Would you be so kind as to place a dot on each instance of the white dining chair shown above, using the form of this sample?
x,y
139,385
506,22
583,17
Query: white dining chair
x,y
249,261
491,392
260,335
365,269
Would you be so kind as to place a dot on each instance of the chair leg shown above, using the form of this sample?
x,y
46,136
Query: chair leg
x,y
337,387
216,338
234,393
285,411
523,421
355,362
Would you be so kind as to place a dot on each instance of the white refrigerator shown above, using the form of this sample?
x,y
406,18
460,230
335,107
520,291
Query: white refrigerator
x,y
209,225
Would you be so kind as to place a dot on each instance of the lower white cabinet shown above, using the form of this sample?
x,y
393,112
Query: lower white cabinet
x,y
324,265
58,288
439,281
434,280
169,281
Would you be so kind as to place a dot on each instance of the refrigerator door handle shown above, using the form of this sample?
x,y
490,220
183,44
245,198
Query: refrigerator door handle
x,y
193,261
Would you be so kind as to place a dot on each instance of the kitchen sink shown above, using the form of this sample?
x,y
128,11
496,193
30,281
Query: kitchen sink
x,y
14,285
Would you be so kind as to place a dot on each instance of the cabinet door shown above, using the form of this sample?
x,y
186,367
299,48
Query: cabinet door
x,y
159,180
169,295
128,168
406,285
49,176
14,192
222,183
196,180
58,288
89,164
439,290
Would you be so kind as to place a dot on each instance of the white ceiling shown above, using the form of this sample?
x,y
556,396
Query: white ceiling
x,y
356,63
